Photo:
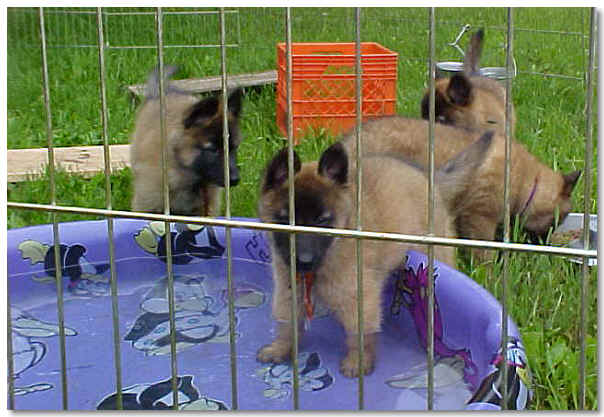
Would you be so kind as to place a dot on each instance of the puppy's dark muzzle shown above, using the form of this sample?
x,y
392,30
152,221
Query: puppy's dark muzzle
x,y
233,173
305,262
233,181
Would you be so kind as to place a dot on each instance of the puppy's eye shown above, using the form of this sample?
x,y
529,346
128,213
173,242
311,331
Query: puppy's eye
x,y
492,122
324,219
282,217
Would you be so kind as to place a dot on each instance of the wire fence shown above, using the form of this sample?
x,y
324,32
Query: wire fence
x,y
134,28
225,29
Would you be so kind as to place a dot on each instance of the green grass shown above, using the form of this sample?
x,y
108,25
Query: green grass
x,y
545,291
545,305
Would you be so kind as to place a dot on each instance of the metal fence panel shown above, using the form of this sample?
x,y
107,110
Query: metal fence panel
x,y
506,246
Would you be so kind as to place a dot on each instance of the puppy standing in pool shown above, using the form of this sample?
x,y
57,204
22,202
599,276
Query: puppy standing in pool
x,y
394,200
195,150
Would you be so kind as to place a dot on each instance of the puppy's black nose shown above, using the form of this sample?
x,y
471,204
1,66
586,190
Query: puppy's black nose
x,y
304,262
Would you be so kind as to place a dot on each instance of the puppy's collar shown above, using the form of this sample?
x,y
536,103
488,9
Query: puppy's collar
x,y
531,197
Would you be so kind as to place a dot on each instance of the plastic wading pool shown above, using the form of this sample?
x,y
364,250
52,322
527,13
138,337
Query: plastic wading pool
x,y
467,327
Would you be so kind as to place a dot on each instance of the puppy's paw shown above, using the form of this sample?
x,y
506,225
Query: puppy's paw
x,y
277,352
349,367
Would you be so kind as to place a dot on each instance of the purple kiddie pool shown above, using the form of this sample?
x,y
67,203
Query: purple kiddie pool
x,y
467,369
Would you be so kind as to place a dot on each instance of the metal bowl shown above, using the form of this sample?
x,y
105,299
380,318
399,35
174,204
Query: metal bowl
x,y
575,221
449,68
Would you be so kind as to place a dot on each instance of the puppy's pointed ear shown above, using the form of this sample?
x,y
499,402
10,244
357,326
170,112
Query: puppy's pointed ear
x,y
460,90
201,112
277,170
570,180
235,102
334,163
471,64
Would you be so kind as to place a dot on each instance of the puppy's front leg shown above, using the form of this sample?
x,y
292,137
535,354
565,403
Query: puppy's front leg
x,y
281,348
350,364
343,301
479,227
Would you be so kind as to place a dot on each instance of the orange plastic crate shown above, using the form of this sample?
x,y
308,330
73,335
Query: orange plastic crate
x,y
324,87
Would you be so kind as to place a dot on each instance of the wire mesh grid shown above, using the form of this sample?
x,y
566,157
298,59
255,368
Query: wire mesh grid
x,y
101,19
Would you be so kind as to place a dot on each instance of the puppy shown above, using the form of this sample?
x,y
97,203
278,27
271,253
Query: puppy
x,y
538,195
194,140
469,100
394,199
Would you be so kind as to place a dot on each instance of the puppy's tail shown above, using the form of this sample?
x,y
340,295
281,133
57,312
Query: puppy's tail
x,y
455,174
471,62
152,86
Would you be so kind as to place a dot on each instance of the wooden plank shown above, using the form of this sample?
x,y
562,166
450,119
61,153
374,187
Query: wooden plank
x,y
204,85
26,164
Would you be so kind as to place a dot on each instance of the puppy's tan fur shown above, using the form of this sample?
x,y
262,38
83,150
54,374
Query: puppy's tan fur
x,y
469,100
394,199
480,208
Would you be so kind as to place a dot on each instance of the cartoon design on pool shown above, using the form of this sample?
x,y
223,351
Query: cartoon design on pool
x,y
519,379
185,241
278,377
410,291
158,396
447,372
28,352
257,248
85,278
201,314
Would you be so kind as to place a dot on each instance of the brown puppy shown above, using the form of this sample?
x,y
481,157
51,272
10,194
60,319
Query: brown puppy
x,y
195,150
470,100
394,200
537,194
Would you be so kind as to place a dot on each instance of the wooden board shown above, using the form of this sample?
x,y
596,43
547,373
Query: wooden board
x,y
204,85
26,164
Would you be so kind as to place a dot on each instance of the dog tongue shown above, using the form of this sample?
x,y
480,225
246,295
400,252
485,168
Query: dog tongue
x,y
307,279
